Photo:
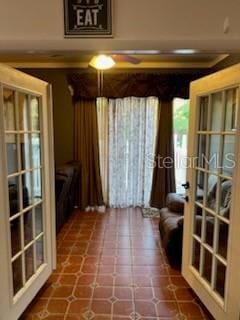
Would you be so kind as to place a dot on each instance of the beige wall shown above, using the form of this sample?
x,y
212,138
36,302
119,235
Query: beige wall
x,y
62,111
138,24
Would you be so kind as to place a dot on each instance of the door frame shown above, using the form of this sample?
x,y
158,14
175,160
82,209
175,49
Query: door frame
x,y
231,310
9,306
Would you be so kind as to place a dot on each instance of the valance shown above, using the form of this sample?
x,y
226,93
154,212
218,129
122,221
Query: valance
x,y
120,85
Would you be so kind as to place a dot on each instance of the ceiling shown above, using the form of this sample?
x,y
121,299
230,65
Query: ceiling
x,y
149,60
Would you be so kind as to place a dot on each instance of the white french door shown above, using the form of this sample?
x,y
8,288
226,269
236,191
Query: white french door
x,y
211,250
27,233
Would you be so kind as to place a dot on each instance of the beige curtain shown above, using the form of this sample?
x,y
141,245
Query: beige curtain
x,y
86,151
164,173
102,116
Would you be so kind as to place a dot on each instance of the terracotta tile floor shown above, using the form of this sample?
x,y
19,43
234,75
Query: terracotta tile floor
x,y
111,266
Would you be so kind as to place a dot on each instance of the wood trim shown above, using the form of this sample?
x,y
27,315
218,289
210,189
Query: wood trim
x,y
120,65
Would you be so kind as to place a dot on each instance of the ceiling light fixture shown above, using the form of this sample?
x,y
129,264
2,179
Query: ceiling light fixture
x,y
135,52
185,51
102,62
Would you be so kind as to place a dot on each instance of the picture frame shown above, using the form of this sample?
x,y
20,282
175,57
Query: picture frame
x,y
88,18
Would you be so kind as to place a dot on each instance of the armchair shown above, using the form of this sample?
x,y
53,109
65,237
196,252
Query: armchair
x,y
171,221
171,228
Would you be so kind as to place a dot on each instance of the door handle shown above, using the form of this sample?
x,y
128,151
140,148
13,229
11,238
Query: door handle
x,y
186,199
186,185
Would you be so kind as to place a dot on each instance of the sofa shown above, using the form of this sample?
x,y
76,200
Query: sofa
x,y
171,222
66,191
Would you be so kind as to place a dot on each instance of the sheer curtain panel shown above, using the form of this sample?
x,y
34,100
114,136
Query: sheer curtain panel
x,y
132,133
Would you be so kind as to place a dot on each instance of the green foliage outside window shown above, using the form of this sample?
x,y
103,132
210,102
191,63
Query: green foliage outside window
x,y
180,122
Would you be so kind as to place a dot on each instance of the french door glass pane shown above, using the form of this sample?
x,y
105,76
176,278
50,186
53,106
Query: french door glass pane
x,y
28,227
213,160
17,275
29,263
13,191
23,112
225,198
220,278
209,229
11,146
203,114
223,239
228,156
211,192
35,119
9,110
200,184
25,151
27,189
16,236
231,110
38,220
216,112
207,265
37,185
39,252
196,254
36,154
202,152
198,221
211,187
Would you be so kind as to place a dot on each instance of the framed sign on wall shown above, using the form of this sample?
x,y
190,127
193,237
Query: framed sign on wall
x,y
88,18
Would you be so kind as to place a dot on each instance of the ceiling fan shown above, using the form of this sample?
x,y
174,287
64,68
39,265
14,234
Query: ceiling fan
x,y
126,58
103,61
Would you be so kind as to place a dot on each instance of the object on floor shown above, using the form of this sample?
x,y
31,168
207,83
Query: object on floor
x,y
150,213
101,209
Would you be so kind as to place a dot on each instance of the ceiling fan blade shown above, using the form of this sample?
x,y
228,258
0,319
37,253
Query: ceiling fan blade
x,y
126,58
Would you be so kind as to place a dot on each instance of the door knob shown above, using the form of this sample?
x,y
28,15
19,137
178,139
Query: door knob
x,y
186,199
186,185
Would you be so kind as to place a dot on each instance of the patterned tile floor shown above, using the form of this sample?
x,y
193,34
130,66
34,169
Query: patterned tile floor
x,y
111,266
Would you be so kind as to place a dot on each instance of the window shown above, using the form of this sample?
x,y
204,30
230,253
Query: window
x,y
180,130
